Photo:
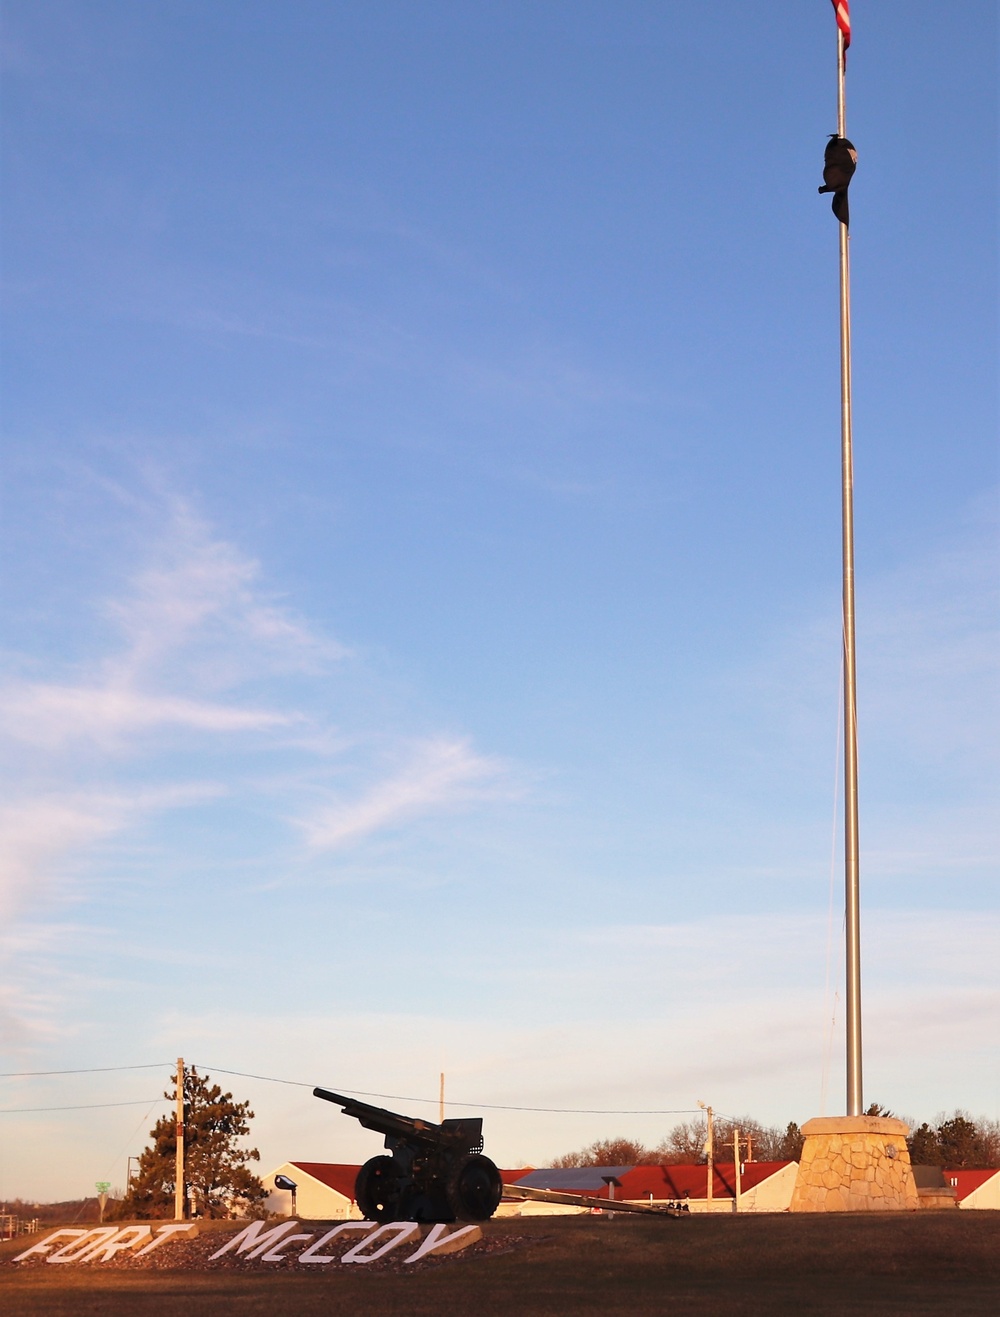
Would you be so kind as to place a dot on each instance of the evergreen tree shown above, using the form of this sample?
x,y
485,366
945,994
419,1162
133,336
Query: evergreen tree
x,y
215,1166
961,1143
925,1147
790,1148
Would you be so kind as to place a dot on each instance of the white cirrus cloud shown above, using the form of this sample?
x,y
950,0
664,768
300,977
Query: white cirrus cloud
x,y
41,834
36,835
193,622
441,774
201,591
49,715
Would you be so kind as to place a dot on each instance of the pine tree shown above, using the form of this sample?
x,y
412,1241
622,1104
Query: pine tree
x,y
215,1165
961,1142
790,1147
925,1147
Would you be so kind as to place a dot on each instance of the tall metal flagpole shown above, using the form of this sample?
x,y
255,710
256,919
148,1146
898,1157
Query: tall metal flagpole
x,y
851,869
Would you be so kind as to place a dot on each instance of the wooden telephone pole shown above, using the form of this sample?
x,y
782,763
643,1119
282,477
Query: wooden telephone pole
x,y
179,1136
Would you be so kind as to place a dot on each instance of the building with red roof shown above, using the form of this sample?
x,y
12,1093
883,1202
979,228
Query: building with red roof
x,y
975,1190
324,1191
764,1186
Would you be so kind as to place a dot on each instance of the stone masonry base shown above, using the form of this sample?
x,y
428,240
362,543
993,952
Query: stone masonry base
x,y
854,1164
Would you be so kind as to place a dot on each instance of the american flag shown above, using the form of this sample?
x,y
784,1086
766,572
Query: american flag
x,y
843,12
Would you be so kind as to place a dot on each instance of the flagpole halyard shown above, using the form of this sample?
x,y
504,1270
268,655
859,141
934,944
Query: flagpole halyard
x,y
851,845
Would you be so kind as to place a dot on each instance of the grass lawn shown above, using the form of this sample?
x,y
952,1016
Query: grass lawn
x,y
912,1263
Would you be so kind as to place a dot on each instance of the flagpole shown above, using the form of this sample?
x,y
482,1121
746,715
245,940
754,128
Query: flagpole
x,y
852,902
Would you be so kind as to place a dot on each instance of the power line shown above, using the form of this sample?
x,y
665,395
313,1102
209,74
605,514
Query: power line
x,y
83,1106
86,1070
478,1106
353,1092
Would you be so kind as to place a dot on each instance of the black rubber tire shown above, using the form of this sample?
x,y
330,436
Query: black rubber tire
x,y
379,1191
474,1188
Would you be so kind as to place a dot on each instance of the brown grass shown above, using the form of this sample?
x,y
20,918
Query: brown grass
x,y
927,1262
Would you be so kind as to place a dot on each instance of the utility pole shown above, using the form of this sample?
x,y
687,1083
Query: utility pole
x,y
736,1160
179,1137
441,1100
709,1150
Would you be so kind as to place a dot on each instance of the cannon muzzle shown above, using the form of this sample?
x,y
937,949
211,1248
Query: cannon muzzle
x,y
465,1134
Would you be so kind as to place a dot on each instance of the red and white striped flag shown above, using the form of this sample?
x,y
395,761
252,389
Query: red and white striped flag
x,y
842,9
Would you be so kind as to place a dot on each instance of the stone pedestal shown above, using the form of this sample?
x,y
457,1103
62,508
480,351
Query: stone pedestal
x,y
854,1164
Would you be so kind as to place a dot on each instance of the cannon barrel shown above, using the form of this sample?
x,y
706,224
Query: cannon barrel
x,y
463,1134
434,1173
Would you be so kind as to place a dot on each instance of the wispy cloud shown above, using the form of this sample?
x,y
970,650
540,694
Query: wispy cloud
x,y
41,834
97,751
36,834
191,622
441,774
200,589
49,715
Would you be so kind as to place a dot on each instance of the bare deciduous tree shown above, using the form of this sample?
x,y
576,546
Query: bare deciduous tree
x,y
608,1152
958,1141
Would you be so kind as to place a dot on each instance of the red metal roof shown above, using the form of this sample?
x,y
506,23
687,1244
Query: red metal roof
x,y
511,1177
967,1182
689,1180
333,1174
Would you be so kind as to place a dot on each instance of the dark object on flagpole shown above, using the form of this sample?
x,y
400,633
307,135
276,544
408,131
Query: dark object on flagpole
x,y
839,163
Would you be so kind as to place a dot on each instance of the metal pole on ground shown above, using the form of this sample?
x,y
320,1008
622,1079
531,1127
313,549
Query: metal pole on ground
x,y
852,904
709,1151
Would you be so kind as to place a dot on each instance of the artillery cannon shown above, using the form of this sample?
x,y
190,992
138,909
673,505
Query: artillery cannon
x,y
433,1173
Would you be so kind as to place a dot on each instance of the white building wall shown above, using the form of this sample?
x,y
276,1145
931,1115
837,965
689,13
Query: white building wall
x,y
986,1197
314,1200
773,1194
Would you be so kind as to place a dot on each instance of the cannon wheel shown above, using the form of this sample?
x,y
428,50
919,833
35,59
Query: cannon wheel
x,y
474,1188
379,1190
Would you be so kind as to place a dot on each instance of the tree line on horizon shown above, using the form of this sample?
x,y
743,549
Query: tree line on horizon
x,y
217,1170
958,1141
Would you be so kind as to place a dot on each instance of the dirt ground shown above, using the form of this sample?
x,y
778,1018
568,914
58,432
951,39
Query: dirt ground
x,y
926,1262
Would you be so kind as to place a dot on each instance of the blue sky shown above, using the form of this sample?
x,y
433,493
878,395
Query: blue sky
x,y
420,577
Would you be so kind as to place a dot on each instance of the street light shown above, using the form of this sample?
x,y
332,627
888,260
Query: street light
x,y
709,1149
283,1182
610,1181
